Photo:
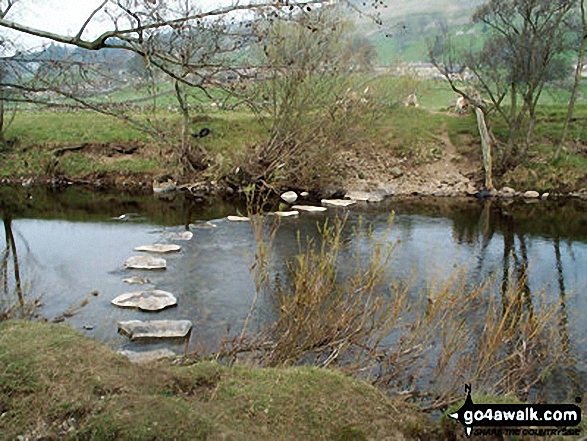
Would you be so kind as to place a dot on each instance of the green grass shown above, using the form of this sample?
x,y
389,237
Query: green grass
x,y
51,375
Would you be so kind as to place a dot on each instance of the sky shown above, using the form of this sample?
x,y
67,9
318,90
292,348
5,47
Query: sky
x,y
65,17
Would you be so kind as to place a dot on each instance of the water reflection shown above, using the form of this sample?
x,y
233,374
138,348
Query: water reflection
x,y
72,244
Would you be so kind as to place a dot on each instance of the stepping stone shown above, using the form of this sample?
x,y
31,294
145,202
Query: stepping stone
x,y
136,280
182,235
135,329
147,356
289,196
286,213
238,218
145,262
154,300
338,202
158,248
202,224
309,208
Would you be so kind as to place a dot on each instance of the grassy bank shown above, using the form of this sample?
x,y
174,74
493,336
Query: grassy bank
x,y
57,384
116,151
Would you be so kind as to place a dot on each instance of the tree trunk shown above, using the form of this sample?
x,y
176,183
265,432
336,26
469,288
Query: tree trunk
x,y
575,91
485,147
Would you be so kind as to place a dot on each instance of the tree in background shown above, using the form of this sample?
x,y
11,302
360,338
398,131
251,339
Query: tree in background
x,y
195,49
522,52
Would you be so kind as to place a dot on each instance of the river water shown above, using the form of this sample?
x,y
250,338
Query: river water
x,y
71,246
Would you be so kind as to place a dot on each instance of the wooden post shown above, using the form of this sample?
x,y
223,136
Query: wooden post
x,y
485,147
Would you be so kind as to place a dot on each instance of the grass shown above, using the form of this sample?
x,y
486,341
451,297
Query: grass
x,y
394,130
55,383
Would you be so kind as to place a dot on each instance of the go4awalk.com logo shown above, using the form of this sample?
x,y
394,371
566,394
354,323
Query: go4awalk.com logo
x,y
559,418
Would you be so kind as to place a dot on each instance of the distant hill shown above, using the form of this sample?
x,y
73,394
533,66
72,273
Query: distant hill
x,y
409,24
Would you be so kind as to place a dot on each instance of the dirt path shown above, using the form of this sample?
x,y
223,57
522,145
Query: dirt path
x,y
446,173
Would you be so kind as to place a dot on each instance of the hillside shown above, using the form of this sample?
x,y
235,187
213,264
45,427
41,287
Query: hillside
x,y
408,25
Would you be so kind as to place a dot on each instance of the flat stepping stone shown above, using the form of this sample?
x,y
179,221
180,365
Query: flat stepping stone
x,y
136,280
145,262
154,300
182,235
159,248
286,213
136,329
309,208
338,202
238,218
202,224
147,356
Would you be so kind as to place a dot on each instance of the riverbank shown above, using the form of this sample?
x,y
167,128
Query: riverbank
x,y
57,384
408,151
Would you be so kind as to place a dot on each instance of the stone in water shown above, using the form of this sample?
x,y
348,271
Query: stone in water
x,y
145,262
155,328
309,208
338,202
136,280
154,300
286,213
289,197
238,218
182,235
158,248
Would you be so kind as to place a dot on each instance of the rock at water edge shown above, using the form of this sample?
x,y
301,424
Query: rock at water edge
x,y
289,196
147,356
531,194
136,329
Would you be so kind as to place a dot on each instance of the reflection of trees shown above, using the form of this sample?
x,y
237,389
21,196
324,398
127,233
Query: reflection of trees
x,y
11,252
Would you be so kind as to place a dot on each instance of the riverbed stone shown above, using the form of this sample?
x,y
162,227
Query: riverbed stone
x,y
309,208
145,262
139,357
159,248
289,196
153,300
531,194
338,202
137,329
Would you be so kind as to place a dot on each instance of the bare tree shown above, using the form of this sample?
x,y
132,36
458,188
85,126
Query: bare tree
x,y
521,54
577,79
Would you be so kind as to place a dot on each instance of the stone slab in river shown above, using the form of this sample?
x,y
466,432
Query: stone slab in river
x,y
136,280
154,300
136,329
145,262
182,235
309,208
338,202
286,213
147,356
238,218
159,248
